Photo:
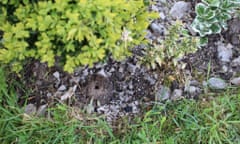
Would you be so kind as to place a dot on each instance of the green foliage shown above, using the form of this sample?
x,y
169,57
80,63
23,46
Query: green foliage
x,y
176,43
212,16
78,32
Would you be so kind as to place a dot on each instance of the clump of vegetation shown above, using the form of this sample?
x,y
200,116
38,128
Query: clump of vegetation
x,y
212,16
78,32
176,43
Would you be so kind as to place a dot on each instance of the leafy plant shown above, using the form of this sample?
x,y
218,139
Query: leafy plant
x,y
78,32
176,43
212,16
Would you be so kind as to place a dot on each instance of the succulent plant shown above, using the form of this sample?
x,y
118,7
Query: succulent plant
x,y
212,16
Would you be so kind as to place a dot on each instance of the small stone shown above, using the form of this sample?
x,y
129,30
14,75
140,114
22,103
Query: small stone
x,y
236,81
236,61
57,75
205,84
85,73
131,68
194,83
30,109
157,29
193,90
177,94
42,110
224,52
162,94
130,85
163,1
162,15
69,93
180,9
151,80
62,88
49,94
102,73
224,69
217,83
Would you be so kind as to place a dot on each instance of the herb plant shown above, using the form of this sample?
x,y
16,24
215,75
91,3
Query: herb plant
x,y
176,43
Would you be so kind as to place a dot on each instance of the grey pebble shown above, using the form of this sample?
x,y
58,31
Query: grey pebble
x,y
42,110
163,93
217,83
193,90
236,61
224,52
180,9
157,29
177,94
30,109
236,81
62,88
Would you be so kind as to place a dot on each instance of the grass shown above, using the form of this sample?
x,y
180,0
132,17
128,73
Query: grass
x,y
186,121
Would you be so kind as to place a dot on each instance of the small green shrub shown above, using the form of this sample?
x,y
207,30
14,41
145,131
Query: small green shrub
x,y
78,32
212,16
176,43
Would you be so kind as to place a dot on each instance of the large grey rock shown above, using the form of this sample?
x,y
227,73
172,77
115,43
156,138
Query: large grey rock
x,y
163,93
225,52
180,9
217,83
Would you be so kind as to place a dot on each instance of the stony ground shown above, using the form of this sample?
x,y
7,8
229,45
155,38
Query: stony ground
x,y
126,88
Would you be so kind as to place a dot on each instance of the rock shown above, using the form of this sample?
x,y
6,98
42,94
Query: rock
x,y
193,90
102,73
180,9
30,109
224,69
224,52
233,31
194,83
162,15
85,73
163,93
163,1
235,39
42,110
69,93
236,81
177,94
157,29
236,62
131,68
57,75
217,83
62,88
151,80
49,94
